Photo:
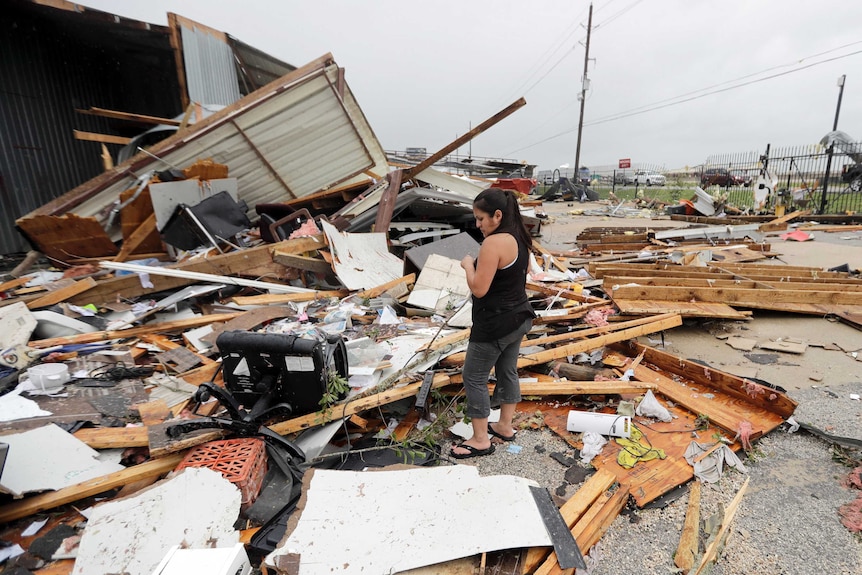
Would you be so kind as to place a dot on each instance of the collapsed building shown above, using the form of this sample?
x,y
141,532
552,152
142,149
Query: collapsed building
x,y
260,306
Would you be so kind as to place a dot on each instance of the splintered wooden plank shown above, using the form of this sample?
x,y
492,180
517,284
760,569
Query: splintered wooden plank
x,y
161,445
153,412
563,293
52,499
590,344
724,270
103,138
687,550
383,288
113,437
139,239
280,298
711,553
317,265
659,323
610,281
62,294
685,309
757,298
736,387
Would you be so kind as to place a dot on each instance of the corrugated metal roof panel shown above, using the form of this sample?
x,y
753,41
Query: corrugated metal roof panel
x,y
292,138
210,68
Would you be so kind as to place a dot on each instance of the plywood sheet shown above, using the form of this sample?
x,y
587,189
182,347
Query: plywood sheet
x,y
67,237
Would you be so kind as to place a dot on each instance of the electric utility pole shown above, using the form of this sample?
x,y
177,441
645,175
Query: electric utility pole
x,y
584,84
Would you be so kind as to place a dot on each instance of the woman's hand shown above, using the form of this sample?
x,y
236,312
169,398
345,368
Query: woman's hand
x,y
467,262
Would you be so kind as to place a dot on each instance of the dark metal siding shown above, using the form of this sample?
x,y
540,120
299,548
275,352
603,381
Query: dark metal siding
x,y
51,63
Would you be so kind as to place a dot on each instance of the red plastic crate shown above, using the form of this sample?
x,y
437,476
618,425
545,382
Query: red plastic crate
x,y
240,461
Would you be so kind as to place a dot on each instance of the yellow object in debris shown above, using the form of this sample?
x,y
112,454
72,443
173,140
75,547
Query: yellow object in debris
x,y
779,211
634,450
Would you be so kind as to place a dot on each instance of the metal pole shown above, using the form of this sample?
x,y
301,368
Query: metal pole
x,y
583,98
829,152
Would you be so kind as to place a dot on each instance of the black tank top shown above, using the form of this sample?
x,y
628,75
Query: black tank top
x,y
505,307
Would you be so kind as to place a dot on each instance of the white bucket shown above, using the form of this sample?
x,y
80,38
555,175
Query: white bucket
x,y
48,376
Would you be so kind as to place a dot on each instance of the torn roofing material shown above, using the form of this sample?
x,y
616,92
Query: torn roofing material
x,y
301,134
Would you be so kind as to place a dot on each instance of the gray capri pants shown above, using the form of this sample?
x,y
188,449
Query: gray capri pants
x,y
502,355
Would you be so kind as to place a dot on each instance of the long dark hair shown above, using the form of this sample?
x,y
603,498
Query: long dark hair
x,y
493,199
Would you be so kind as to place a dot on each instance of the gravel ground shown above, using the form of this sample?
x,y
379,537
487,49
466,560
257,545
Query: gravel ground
x,y
787,523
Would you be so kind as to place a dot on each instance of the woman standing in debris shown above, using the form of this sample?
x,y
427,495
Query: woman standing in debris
x,y
501,317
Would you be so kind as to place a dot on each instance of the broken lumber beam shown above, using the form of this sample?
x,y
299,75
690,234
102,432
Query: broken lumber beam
x,y
564,293
103,138
62,294
316,265
136,238
383,288
129,116
590,344
113,437
458,142
663,322
711,553
52,499
541,249
352,406
687,550
280,298
754,298
159,446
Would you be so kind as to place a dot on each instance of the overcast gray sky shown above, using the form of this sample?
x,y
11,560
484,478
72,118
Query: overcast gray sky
x,y
423,72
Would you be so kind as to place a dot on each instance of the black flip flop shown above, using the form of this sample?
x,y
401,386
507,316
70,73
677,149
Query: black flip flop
x,y
500,435
473,451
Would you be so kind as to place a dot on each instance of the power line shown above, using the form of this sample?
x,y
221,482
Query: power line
x,y
770,77
795,63
674,103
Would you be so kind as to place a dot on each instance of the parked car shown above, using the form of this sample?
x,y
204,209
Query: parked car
x,y
723,177
624,178
649,178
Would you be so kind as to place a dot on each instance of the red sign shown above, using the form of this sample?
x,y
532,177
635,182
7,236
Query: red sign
x,y
625,163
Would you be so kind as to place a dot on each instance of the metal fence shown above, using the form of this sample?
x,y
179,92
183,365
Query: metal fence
x,y
823,180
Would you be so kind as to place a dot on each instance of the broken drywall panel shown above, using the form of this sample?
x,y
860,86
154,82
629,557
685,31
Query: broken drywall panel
x,y
362,260
422,517
441,286
265,139
13,406
63,461
195,509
